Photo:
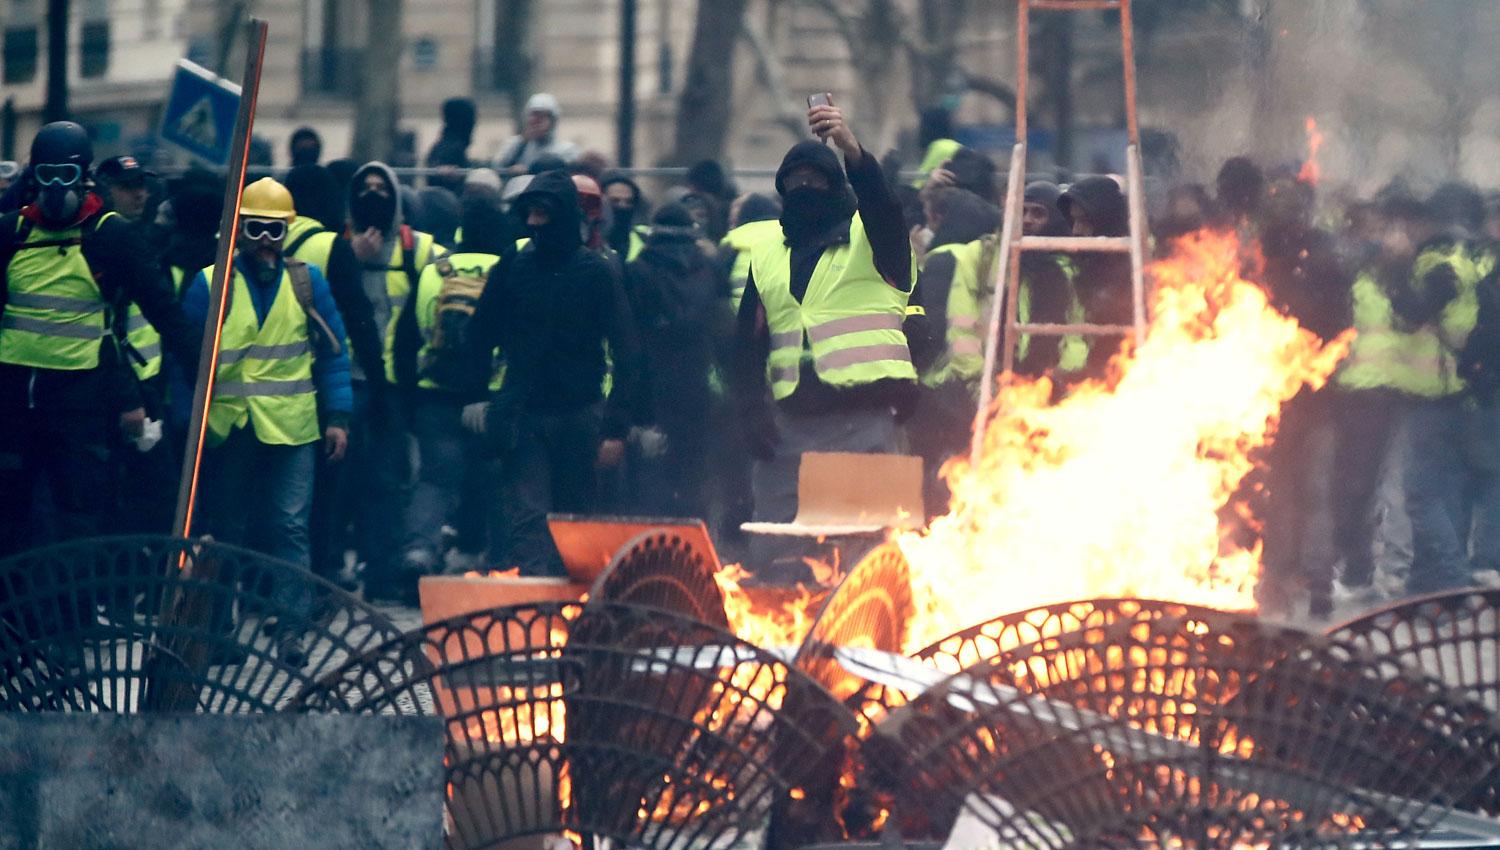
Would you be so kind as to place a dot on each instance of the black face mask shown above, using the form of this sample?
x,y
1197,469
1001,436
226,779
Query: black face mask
x,y
807,212
60,204
373,209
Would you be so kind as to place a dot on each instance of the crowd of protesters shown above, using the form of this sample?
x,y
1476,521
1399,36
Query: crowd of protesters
x,y
418,376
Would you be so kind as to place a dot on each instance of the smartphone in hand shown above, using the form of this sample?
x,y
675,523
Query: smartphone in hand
x,y
820,99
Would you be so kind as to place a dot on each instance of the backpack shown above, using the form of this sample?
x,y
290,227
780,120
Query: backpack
x,y
318,330
457,300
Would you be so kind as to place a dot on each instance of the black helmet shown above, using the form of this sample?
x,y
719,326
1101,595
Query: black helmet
x,y
60,142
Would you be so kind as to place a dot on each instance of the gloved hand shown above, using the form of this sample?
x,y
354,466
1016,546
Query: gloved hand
x,y
761,436
474,416
651,440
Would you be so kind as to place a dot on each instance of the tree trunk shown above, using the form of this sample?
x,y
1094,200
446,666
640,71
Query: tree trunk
x,y
380,67
706,104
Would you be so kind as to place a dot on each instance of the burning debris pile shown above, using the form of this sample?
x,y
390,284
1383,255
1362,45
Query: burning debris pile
x,y
678,706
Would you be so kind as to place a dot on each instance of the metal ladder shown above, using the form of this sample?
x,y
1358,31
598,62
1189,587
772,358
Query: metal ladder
x,y
1013,244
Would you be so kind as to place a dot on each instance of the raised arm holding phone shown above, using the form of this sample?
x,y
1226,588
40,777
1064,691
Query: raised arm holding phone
x,y
821,318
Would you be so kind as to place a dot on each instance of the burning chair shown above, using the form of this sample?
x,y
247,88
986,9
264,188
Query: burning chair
x,y
607,719
1155,723
136,624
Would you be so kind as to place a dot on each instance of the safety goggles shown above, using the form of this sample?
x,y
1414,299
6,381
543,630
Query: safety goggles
x,y
256,229
57,174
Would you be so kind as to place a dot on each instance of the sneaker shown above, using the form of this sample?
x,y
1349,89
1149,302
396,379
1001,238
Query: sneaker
x,y
1357,597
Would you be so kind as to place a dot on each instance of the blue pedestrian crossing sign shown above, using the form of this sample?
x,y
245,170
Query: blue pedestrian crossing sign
x,y
200,113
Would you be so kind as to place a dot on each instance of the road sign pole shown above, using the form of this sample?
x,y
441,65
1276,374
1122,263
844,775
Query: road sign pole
x,y
208,358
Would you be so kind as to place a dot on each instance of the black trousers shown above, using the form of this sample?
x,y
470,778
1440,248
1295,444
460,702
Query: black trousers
x,y
69,452
548,469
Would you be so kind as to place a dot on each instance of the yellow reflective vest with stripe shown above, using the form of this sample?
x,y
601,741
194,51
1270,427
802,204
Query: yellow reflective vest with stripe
x,y
429,292
55,315
397,286
313,247
264,375
143,339
1379,355
848,324
742,239
963,351
1432,350
1073,349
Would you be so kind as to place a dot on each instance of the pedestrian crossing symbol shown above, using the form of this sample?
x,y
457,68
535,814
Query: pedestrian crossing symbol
x,y
197,124
200,113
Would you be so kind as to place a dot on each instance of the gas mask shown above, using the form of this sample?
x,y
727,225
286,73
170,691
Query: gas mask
x,y
261,241
60,191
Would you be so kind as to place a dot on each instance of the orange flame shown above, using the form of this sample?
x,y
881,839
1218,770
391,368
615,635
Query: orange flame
x,y
1116,490
513,572
766,617
1312,171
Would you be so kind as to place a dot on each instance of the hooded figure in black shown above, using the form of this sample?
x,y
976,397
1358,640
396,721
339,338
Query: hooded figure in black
x,y
1095,206
551,308
820,196
627,210
940,425
452,147
678,299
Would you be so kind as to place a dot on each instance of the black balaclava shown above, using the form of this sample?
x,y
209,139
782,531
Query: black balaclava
x,y
315,193
1047,194
369,208
622,220
56,144
808,213
483,225
306,147
459,117
553,191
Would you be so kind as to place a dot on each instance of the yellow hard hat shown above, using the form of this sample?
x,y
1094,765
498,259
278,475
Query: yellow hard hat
x,y
265,198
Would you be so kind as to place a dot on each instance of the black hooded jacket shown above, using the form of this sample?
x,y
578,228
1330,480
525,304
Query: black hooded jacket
x,y
678,299
1103,280
885,228
315,193
550,309
968,218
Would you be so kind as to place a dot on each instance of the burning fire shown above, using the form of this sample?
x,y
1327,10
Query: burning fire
x,y
1311,170
764,616
1116,490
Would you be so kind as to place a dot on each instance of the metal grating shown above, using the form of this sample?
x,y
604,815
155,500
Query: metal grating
x,y
612,720
992,638
1202,730
665,570
147,623
1454,636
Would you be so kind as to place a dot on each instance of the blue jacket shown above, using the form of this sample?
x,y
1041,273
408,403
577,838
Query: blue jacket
x,y
330,370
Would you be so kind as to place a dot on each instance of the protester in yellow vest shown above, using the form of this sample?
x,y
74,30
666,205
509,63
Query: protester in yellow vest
x,y
316,237
392,255
629,215
429,357
753,218
821,319
66,268
281,394
946,332
1372,390
1452,479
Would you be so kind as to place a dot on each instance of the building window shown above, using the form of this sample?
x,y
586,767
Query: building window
x,y
20,54
20,49
502,57
94,55
329,66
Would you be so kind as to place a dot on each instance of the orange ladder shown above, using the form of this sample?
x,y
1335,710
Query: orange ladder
x,y
1013,243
